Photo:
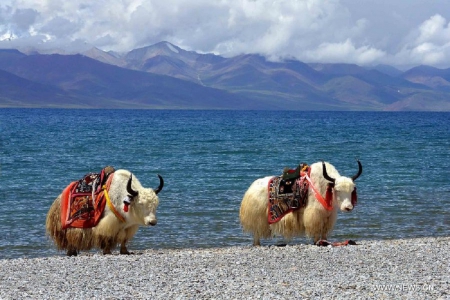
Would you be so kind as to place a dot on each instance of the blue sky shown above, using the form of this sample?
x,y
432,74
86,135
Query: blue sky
x,y
401,33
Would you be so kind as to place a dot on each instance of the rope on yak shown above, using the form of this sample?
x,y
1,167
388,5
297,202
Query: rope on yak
x,y
111,206
326,203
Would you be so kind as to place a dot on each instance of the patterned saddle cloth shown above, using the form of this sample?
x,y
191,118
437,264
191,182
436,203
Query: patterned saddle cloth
x,y
83,201
287,194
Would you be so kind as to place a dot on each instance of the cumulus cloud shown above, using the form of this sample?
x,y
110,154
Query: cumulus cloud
x,y
429,44
404,32
345,52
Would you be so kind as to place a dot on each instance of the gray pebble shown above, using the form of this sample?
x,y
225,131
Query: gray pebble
x,y
389,269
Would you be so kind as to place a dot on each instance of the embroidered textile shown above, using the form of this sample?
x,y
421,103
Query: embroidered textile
x,y
83,201
286,196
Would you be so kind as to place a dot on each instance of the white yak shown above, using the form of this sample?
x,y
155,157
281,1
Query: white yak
x,y
312,220
117,224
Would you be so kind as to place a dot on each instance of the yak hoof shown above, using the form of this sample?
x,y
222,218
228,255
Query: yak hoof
x,y
256,242
72,252
106,251
125,252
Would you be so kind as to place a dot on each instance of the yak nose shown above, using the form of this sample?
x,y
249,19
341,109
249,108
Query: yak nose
x,y
152,222
347,208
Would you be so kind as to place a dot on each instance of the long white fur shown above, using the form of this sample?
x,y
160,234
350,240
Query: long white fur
x,y
313,220
110,230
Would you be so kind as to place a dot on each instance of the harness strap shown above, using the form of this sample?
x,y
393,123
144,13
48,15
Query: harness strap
x,y
111,206
325,204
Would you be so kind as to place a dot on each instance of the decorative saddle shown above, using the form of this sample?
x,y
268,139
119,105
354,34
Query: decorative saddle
x,y
83,201
287,192
289,174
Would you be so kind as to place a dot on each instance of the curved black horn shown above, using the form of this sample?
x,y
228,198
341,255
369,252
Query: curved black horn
x,y
325,173
129,189
161,184
354,177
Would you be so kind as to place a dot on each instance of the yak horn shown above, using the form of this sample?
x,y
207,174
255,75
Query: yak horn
x,y
325,175
130,191
354,177
161,184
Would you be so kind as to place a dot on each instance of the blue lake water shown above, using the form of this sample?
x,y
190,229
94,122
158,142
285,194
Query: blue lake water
x,y
209,158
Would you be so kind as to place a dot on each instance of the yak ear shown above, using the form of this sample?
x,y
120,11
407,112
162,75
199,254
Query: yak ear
x,y
329,193
130,190
161,185
354,197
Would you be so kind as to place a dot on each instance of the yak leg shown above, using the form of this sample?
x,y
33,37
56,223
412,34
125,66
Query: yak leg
x,y
123,248
106,245
313,222
253,213
317,238
129,233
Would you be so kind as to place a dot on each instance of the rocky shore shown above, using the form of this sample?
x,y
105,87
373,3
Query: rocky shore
x,y
388,269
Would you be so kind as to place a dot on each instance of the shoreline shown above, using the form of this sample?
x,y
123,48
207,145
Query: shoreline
x,y
409,268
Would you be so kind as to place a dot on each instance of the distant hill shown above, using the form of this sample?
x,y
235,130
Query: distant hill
x,y
438,79
16,91
164,76
100,85
388,70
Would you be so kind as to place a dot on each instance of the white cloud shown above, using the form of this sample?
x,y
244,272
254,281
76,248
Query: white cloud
x,y
428,44
402,32
345,52
434,30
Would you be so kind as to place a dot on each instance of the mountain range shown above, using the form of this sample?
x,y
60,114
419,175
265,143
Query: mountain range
x,y
164,76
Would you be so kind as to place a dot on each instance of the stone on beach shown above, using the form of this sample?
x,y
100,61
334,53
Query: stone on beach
x,y
406,268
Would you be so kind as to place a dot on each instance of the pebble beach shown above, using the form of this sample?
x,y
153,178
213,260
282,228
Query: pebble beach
x,y
383,269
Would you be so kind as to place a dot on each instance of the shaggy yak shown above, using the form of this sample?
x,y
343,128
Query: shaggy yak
x,y
324,191
129,205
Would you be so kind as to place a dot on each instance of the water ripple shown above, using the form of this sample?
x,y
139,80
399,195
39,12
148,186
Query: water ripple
x,y
209,158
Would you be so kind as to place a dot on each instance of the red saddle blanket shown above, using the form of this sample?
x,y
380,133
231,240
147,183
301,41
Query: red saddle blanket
x,y
83,201
285,196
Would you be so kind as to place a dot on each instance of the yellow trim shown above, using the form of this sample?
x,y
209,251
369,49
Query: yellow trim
x,y
111,206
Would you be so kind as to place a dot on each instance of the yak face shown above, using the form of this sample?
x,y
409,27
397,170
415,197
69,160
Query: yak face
x,y
144,206
144,202
345,190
